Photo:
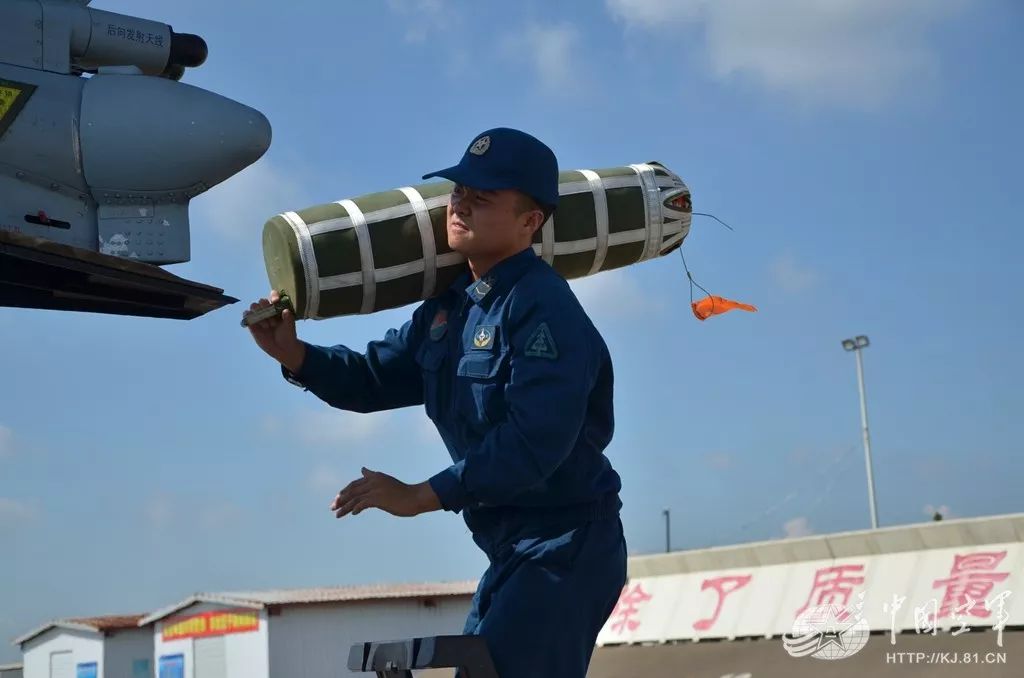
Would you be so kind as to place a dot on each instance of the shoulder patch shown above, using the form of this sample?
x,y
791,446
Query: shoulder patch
x,y
439,325
541,344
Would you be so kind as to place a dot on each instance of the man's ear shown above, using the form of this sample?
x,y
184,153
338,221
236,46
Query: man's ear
x,y
536,221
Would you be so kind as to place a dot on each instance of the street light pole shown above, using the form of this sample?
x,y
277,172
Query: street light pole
x,y
668,542
856,345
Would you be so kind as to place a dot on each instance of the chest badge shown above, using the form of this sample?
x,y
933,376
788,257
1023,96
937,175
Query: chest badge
x,y
484,337
439,325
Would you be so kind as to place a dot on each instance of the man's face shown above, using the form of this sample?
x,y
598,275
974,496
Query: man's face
x,y
487,223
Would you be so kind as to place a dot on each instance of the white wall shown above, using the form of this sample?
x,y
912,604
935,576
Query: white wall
x,y
246,652
766,601
84,646
313,641
125,647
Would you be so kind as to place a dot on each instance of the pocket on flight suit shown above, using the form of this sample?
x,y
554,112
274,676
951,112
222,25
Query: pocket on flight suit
x,y
431,357
480,386
557,552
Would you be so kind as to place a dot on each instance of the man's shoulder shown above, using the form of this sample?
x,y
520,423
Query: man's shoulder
x,y
546,315
545,285
543,291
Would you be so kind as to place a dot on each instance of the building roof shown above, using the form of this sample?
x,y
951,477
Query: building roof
x,y
900,538
340,594
11,667
111,622
194,599
306,596
104,624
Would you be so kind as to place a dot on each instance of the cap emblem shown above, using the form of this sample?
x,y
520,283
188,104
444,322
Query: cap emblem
x,y
480,146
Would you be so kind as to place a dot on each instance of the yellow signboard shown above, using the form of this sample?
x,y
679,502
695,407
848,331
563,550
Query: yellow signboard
x,y
212,624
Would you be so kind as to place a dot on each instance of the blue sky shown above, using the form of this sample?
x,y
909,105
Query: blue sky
x,y
867,156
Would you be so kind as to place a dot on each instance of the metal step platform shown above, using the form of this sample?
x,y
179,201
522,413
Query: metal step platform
x,y
399,658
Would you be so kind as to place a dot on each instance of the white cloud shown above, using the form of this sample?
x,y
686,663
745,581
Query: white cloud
x,y
791,276
798,527
6,441
720,460
852,52
14,512
552,53
613,294
422,17
219,516
238,207
272,424
335,427
801,456
326,479
932,467
163,510
159,511
655,13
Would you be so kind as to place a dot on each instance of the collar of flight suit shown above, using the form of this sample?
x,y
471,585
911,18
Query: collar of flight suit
x,y
502,276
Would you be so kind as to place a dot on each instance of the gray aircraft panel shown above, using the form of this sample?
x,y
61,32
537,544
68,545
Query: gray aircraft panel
x,y
101,151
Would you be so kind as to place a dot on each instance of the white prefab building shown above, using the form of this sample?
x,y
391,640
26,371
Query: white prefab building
x,y
915,602
302,632
96,647
10,670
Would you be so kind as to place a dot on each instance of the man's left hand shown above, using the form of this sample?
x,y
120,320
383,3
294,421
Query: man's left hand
x,y
379,490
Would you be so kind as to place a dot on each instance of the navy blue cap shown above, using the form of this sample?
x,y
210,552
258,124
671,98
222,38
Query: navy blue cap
x,y
507,158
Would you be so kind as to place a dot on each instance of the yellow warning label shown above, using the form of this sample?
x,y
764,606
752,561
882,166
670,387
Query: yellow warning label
x,y
8,95
13,97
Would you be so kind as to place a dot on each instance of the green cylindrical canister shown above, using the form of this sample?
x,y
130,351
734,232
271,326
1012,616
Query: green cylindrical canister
x,y
390,249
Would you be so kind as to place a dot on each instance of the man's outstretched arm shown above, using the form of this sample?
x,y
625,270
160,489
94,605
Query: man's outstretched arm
x,y
385,376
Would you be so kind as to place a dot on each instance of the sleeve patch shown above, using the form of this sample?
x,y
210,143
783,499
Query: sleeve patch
x,y
541,344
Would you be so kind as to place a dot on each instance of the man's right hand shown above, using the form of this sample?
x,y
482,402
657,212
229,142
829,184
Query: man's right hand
x,y
277,336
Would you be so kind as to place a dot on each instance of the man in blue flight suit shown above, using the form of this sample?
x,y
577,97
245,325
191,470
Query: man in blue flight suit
x,y
518,382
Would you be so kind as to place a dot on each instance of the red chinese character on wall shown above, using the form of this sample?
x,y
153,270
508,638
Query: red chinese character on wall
x,y
724,586
627,608
833,586
969,583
